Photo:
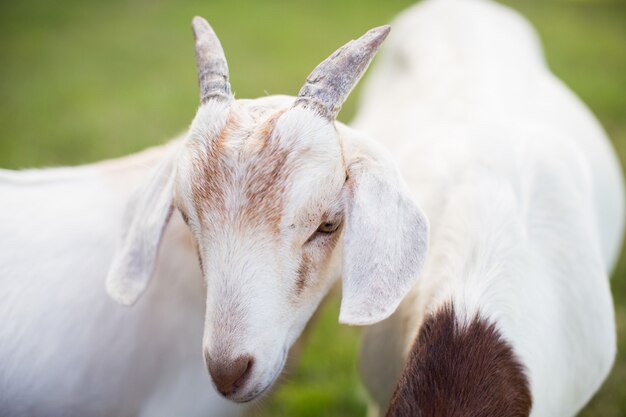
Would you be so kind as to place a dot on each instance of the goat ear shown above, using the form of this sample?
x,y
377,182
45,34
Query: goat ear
x,y
385,237
146,216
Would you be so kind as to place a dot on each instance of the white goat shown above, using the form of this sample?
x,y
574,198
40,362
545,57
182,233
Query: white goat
x,y
279,198
65,348
525,200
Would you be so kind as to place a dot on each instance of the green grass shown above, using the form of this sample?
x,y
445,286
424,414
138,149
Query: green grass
x,y
86,80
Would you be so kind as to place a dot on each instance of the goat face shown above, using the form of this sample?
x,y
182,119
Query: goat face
x,y
281,200
261,189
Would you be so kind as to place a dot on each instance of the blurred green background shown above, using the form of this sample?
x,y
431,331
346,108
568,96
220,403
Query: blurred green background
x,y
86,80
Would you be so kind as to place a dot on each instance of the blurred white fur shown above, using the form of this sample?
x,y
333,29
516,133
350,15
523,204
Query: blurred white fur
x,y
66,348
522,189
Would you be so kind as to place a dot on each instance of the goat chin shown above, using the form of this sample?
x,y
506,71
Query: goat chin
x,y
525,199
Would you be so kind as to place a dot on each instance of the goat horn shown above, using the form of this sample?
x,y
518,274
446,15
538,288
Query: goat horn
x,y
210,63
330,83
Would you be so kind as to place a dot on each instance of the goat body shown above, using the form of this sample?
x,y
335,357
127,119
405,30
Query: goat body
x,y
66,348
525,200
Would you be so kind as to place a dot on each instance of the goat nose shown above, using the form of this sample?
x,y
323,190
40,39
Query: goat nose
x,y
228,376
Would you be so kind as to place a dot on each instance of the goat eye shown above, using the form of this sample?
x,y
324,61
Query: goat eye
x,y
328,227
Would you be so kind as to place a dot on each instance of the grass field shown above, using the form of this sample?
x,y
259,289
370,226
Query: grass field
x,y
86,80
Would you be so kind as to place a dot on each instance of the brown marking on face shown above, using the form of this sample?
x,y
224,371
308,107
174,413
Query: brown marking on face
x,y
267,178
185,216
456,370
303,273
210,171
267,129
200,259
260,168
316,258
265,189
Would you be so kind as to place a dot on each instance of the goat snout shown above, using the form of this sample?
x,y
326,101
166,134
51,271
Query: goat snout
x,y
229,375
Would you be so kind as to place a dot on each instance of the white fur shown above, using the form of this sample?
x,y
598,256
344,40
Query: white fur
x,y
66,348
386,238
522,190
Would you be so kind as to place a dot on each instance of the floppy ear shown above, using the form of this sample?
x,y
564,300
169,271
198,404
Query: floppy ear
x,y
146,216
150,209
385,238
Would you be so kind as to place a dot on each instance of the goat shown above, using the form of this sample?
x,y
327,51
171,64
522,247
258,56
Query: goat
x,y
274,196
512,314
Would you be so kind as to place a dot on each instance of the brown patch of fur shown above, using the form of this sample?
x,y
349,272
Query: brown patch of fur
x,y
184,216
303,273
456,370
265,189
210,171
318,247
200,259
266,131
267,179
264,169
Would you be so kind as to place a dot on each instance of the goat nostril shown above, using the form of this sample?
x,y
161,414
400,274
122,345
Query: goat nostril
x,y
244,376
230,375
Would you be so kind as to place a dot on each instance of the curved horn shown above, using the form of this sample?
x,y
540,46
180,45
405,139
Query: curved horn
x,y
331,82
210,62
